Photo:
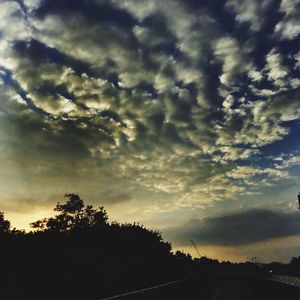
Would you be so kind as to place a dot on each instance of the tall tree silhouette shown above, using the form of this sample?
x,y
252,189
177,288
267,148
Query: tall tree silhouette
x,y
72,215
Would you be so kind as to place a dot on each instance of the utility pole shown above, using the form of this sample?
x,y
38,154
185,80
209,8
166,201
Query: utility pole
x,y
253,259
196,249
299,200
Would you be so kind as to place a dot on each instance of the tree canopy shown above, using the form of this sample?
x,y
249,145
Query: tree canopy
x,y
4,224
71,216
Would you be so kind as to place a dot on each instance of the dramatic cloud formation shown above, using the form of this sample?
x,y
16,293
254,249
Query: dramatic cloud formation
x,y
151,107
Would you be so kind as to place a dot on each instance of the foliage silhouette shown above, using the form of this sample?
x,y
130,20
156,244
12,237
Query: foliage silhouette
x,y
4,224
78,254
72,215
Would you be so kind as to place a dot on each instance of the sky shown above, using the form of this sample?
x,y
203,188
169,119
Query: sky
x,y
181,115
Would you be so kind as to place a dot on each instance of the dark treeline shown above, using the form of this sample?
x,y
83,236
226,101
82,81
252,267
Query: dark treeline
x,y
78,254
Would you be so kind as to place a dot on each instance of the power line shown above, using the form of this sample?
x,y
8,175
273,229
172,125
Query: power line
x,y
196,249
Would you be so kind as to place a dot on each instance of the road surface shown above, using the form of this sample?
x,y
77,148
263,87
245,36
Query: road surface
x,y
234,288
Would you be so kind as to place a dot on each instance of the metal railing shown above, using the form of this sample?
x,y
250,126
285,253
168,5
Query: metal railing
x,y
144,290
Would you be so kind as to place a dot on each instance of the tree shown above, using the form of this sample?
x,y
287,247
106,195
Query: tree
x,y
183,257
4,224
71,216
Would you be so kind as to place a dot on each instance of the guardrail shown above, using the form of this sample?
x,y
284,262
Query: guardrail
x,y
283,279
145,290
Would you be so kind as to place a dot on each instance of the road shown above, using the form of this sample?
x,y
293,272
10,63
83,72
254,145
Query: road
x,y
235,288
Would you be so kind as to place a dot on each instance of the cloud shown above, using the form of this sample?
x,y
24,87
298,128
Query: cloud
x,y
169,100
236,229
291,160
289,26
258,14
276,70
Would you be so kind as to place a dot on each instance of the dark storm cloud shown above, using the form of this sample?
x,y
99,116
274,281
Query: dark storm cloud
x,y
242,228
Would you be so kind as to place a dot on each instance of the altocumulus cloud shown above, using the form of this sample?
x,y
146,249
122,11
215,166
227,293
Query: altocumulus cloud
x,y
170,100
